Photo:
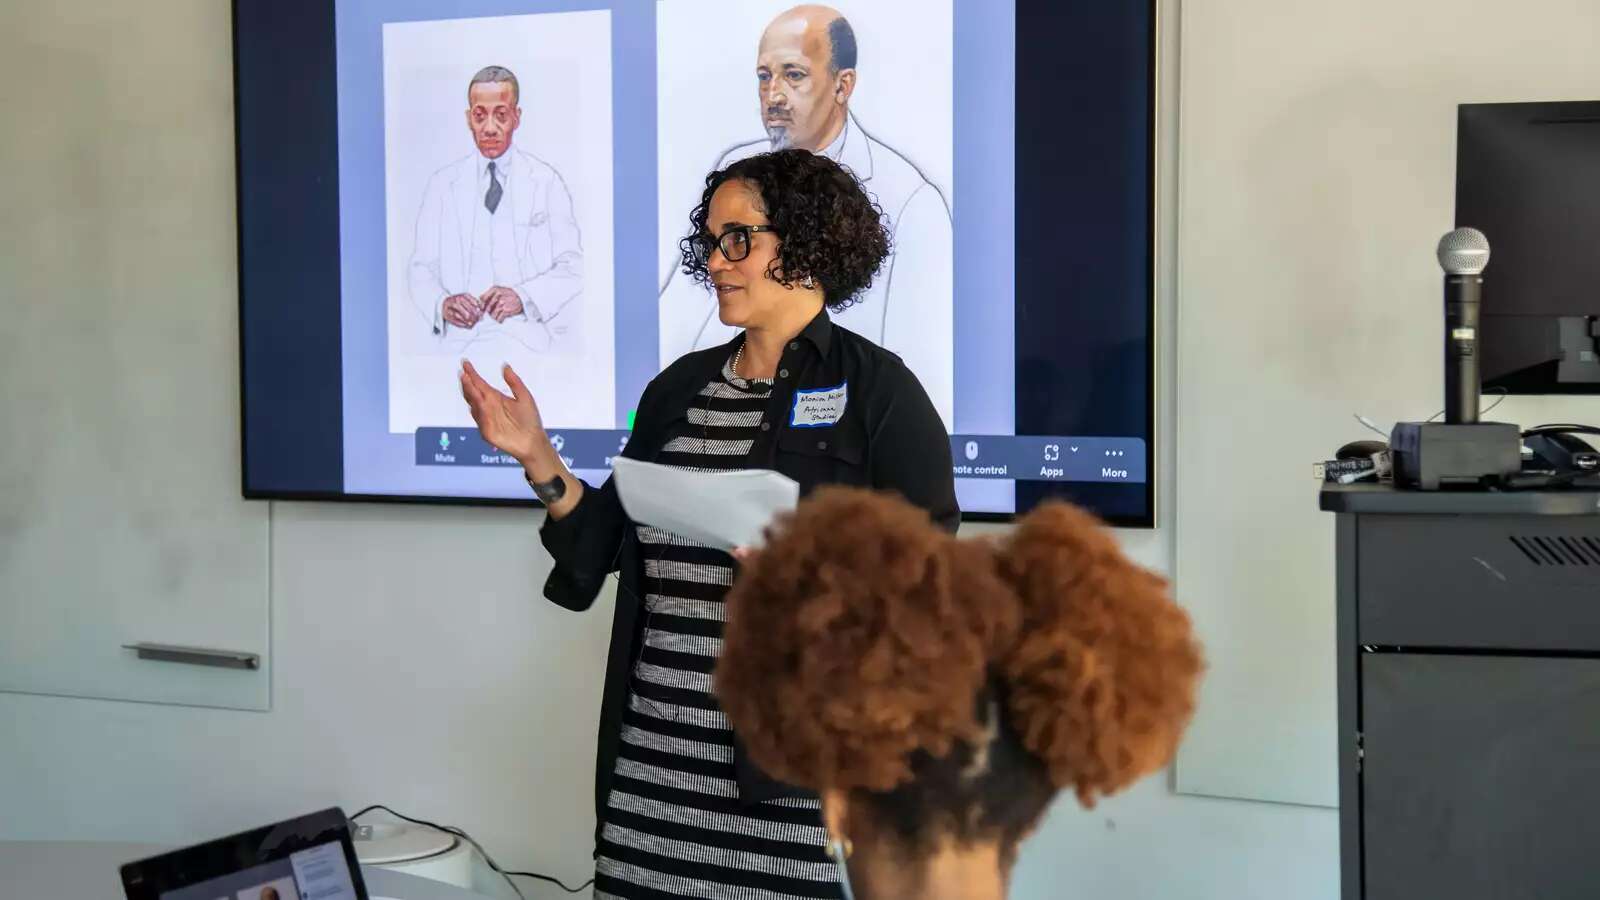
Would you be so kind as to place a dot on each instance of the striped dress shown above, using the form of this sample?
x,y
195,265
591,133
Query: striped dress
x,y
673,824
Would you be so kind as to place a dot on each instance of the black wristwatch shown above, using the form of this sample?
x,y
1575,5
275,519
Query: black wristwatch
x,y
550,491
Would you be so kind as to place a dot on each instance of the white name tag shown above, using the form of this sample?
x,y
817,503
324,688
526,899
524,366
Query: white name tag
x,y
816,408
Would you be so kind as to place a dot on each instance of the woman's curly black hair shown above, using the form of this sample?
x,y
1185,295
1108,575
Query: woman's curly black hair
x,y
828,228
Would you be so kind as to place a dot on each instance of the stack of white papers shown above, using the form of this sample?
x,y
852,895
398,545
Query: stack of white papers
x,y
724,510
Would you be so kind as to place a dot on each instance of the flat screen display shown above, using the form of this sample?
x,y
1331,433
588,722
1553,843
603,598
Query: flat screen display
x,y
392,223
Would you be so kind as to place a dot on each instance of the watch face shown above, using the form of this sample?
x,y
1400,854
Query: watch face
x,y
549,491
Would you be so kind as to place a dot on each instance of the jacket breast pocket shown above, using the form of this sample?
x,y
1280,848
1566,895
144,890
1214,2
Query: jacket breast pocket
x,y
820,456
533,245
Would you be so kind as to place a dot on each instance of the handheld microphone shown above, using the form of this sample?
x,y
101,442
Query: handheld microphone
x,y
1460,451
1463,255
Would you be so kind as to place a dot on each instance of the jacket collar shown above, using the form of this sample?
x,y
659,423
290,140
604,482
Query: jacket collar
x,y
851,149
819,332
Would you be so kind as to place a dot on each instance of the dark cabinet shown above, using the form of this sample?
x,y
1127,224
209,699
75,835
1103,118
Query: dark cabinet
x,y
1469,694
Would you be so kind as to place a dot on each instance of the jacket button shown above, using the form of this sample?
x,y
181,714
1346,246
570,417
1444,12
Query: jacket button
x,y
822,445
794,345
783,373
766,426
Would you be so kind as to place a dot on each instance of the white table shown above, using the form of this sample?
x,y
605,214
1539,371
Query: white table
x,y
85,870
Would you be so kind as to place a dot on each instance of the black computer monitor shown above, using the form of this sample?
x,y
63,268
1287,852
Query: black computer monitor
x,y
1528,177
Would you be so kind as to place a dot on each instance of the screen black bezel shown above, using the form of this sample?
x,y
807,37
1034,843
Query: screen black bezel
x,y
1145,519
148,879
1498,184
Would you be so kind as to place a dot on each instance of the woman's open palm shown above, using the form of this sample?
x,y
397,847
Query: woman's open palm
x,y
510,423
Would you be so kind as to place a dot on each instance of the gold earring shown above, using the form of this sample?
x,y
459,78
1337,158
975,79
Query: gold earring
x,y
840,849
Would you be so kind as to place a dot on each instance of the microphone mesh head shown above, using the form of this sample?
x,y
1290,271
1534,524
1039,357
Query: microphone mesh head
x,y
1464,251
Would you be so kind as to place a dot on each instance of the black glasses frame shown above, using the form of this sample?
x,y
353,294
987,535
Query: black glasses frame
x,y
703,245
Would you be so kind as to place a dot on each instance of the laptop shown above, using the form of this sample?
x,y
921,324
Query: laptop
x,y
307,858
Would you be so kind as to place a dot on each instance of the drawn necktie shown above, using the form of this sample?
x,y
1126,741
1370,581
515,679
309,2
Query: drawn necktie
x,y
491,200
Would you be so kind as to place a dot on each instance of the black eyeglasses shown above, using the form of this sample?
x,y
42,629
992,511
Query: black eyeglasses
x,y
734,243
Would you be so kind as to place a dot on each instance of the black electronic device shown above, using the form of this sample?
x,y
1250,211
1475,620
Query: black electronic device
x,y
1361,450
1435,455
350,235
308,856
1528,175
1558,450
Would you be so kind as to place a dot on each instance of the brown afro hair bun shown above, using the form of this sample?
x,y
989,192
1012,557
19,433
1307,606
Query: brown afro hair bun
x,y
1101,682
860,634
859,642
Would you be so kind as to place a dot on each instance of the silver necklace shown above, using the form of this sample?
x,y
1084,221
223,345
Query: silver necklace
x,y
737,355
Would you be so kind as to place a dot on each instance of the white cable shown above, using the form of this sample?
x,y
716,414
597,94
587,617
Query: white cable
x,y
1371,425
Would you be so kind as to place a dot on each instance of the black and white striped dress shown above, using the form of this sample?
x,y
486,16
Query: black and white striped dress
x,y
674,826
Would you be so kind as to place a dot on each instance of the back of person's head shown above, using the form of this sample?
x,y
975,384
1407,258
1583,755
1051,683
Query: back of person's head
x,y
938,692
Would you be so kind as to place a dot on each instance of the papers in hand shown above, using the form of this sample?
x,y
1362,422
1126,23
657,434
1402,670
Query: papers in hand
x,y
719,509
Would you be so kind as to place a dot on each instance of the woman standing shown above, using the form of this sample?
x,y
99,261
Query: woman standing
x,y
780,238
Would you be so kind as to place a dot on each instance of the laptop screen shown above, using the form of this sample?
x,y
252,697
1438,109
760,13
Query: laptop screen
x,y
308,858
317,873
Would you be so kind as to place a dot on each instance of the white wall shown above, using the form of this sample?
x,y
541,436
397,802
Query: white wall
x,y
415,664
1318,172
110,261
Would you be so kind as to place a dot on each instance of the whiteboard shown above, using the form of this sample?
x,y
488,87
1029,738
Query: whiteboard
x,y
120,511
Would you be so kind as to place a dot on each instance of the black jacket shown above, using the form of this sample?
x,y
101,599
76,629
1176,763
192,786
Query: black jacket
x,y
889,437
